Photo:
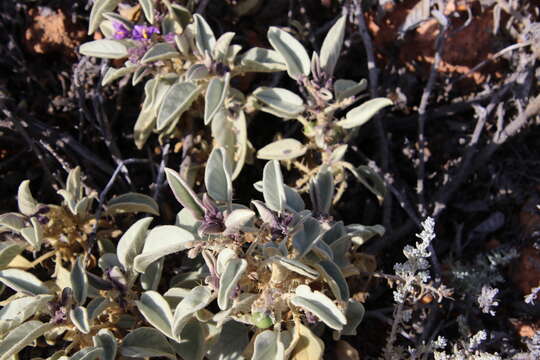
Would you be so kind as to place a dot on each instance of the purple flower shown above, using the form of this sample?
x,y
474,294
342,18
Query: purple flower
x,y
143,32
120,31
213,222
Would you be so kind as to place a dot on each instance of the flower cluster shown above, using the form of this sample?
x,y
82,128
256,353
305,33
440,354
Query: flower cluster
x,y
139,32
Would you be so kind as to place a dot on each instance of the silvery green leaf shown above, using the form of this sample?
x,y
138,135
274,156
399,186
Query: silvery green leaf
x,y
322,251
362,233
223,259
79,281
83,206
177,100
181,14
331,47
114,74
217,176
69,199
283,101
268,346
193,341
344,88
27,204
334,233
183,44
297,266
304,240
139,74
8,251
13,221
107,29
231,342
22,281
338,154
221,48
74,183
147,117
232,53
96,306
186,220
184,194
105,339
148,9
33,234
321,190
22,336
228,281
239,219
262,60
204,36
273,188
215,96
96,15
156,311
160,51
320,305
151,277
293,199
114,17
131,243
354,314
371,180
294,54
197,72
162,241
105,48
132,202
79,318
335,279
340,249
21,309
146,342
89,353
284,149
198,298
231,134
108,260
363,113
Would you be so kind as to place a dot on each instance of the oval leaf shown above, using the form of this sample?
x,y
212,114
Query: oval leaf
x,y
79,281
217,176
98,9
27,204
184,194
283,101
294,54
106,340
105,48
132,242
285,149
215,96
162,241
197,299
131,203
160,51
228,281
204,36
363,113
273,188
156,311
79,317
268,346
146,342
320,305
22,281
331,47
262,60
22,336
177,100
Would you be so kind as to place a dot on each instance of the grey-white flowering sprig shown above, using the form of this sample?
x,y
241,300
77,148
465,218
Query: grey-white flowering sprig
x,y
486,300
273,270
181,61
322,98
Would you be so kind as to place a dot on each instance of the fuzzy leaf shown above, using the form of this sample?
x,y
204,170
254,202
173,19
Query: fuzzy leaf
x,y
177,100
27,204
198,298
132,202
331,47
362,233
22,336
79,317
148,9
294,54
204,36
344,88
106,340
273,188
114,74
321,190
162,241
156,311
96,306
354,314
308,346
285,149
22,281
184,194
13,221
222,46
215,96
262,60
160,51
363,113
320,305
89,353
283,102
105,48
132,242
152,275
371,180
238,219
293,199
96,15
217,176
193,341
228,281
146,342
335,279
21,309
79,281
298,267
231,342
268,346
8,251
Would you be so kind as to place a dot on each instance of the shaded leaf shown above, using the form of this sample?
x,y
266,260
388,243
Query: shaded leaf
x,y
193,342
198,298
96,15
8,251
217,176
79,281
204,36
96,306
321,191
354,314
335,279
106,340
262,60
79,317
184,194
146,342
268,346
148,9
132,202
89,353
152,275
22,336
344,88
13,221
297,266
